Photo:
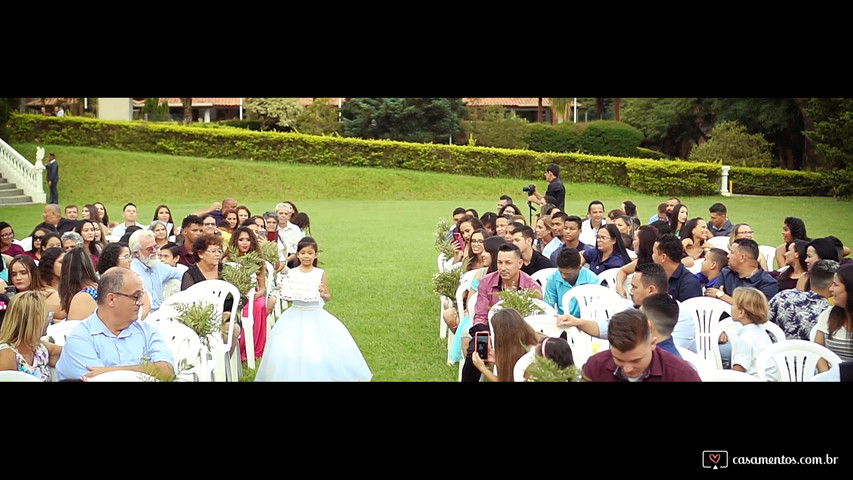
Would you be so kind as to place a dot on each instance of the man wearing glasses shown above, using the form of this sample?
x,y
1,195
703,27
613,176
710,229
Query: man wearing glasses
x,y
111,338
146,262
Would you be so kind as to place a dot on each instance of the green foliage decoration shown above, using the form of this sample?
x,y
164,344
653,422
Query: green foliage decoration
x,y
522,300
202,317
546,370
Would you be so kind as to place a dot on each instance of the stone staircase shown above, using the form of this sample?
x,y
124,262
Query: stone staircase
x,y
11,195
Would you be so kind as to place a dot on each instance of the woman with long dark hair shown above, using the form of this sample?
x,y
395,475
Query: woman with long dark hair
x,y
513,338
793,228
795,259
244,240
835,325
609,253
78,284
677,218
644,243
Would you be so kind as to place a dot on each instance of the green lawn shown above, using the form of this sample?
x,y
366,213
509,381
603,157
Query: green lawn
x,y
374,228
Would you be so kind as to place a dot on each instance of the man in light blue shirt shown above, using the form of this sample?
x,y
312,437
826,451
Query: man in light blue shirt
x,y
146,263
648,279
569,274
111,338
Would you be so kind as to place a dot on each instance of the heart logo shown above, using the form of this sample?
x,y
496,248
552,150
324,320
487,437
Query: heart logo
x,y
715,457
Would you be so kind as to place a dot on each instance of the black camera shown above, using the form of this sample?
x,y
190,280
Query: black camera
x,y
529,189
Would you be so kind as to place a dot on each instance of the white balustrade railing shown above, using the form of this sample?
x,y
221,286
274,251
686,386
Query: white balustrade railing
x,y
25,175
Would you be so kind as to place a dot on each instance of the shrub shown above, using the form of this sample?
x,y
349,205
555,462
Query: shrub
x,y
507,132
542,137
730,144
609,137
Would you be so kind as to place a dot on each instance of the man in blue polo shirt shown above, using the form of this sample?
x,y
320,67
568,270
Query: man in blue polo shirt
x,y
743,271
668,252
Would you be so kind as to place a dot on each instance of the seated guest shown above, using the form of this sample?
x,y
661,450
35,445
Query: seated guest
x,y
78,284
111,338
21,346
52,218
633,355
71,240
795,260
743,271
662,311
663,213
595,219
609,253
24,275
146,263
569,274
191,229
715,261
668,252
38,245
534,261
796,311
508,276
719,223
648,279
7,241
129,214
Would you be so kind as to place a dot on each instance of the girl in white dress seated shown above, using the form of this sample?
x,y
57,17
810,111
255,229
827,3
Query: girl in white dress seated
x,y
308,343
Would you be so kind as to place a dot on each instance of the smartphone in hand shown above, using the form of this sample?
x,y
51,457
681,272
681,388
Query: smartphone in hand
x,y
481,345
461,241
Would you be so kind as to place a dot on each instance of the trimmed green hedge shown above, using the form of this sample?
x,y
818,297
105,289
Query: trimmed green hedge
x,y
657,177
609,137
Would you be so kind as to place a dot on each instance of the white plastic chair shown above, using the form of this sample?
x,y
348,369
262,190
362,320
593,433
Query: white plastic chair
x,y
122,376
706,313
226,367
695,361
719,242
542,275
769,254
590,295
776,330
581,343
727,375
60,331
732,329
545,324
521,365
795,360
813,333
16,376
249,328
609,276
186,348
26,244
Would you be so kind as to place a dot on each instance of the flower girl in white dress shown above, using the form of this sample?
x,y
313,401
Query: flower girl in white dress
x,y
308,343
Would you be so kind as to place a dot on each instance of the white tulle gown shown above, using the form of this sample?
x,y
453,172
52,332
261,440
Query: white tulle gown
x,y
307,343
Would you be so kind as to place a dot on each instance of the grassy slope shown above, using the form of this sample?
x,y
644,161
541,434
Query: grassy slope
x,y
374,228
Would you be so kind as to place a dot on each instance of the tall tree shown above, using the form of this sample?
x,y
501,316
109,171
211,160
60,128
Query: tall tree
x,y
188,110
833,130
275,111
405,119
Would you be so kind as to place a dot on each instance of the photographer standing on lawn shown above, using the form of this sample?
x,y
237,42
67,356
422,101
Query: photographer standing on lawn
x,y
555,190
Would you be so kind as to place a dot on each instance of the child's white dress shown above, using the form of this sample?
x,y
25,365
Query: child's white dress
x,y
308,343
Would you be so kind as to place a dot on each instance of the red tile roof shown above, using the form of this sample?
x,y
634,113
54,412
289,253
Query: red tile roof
x,y
506,102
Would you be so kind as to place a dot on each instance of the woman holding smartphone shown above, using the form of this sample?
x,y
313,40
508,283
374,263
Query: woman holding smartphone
x,y
513,338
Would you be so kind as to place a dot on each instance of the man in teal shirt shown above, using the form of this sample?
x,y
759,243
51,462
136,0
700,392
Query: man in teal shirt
x,y
569,274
